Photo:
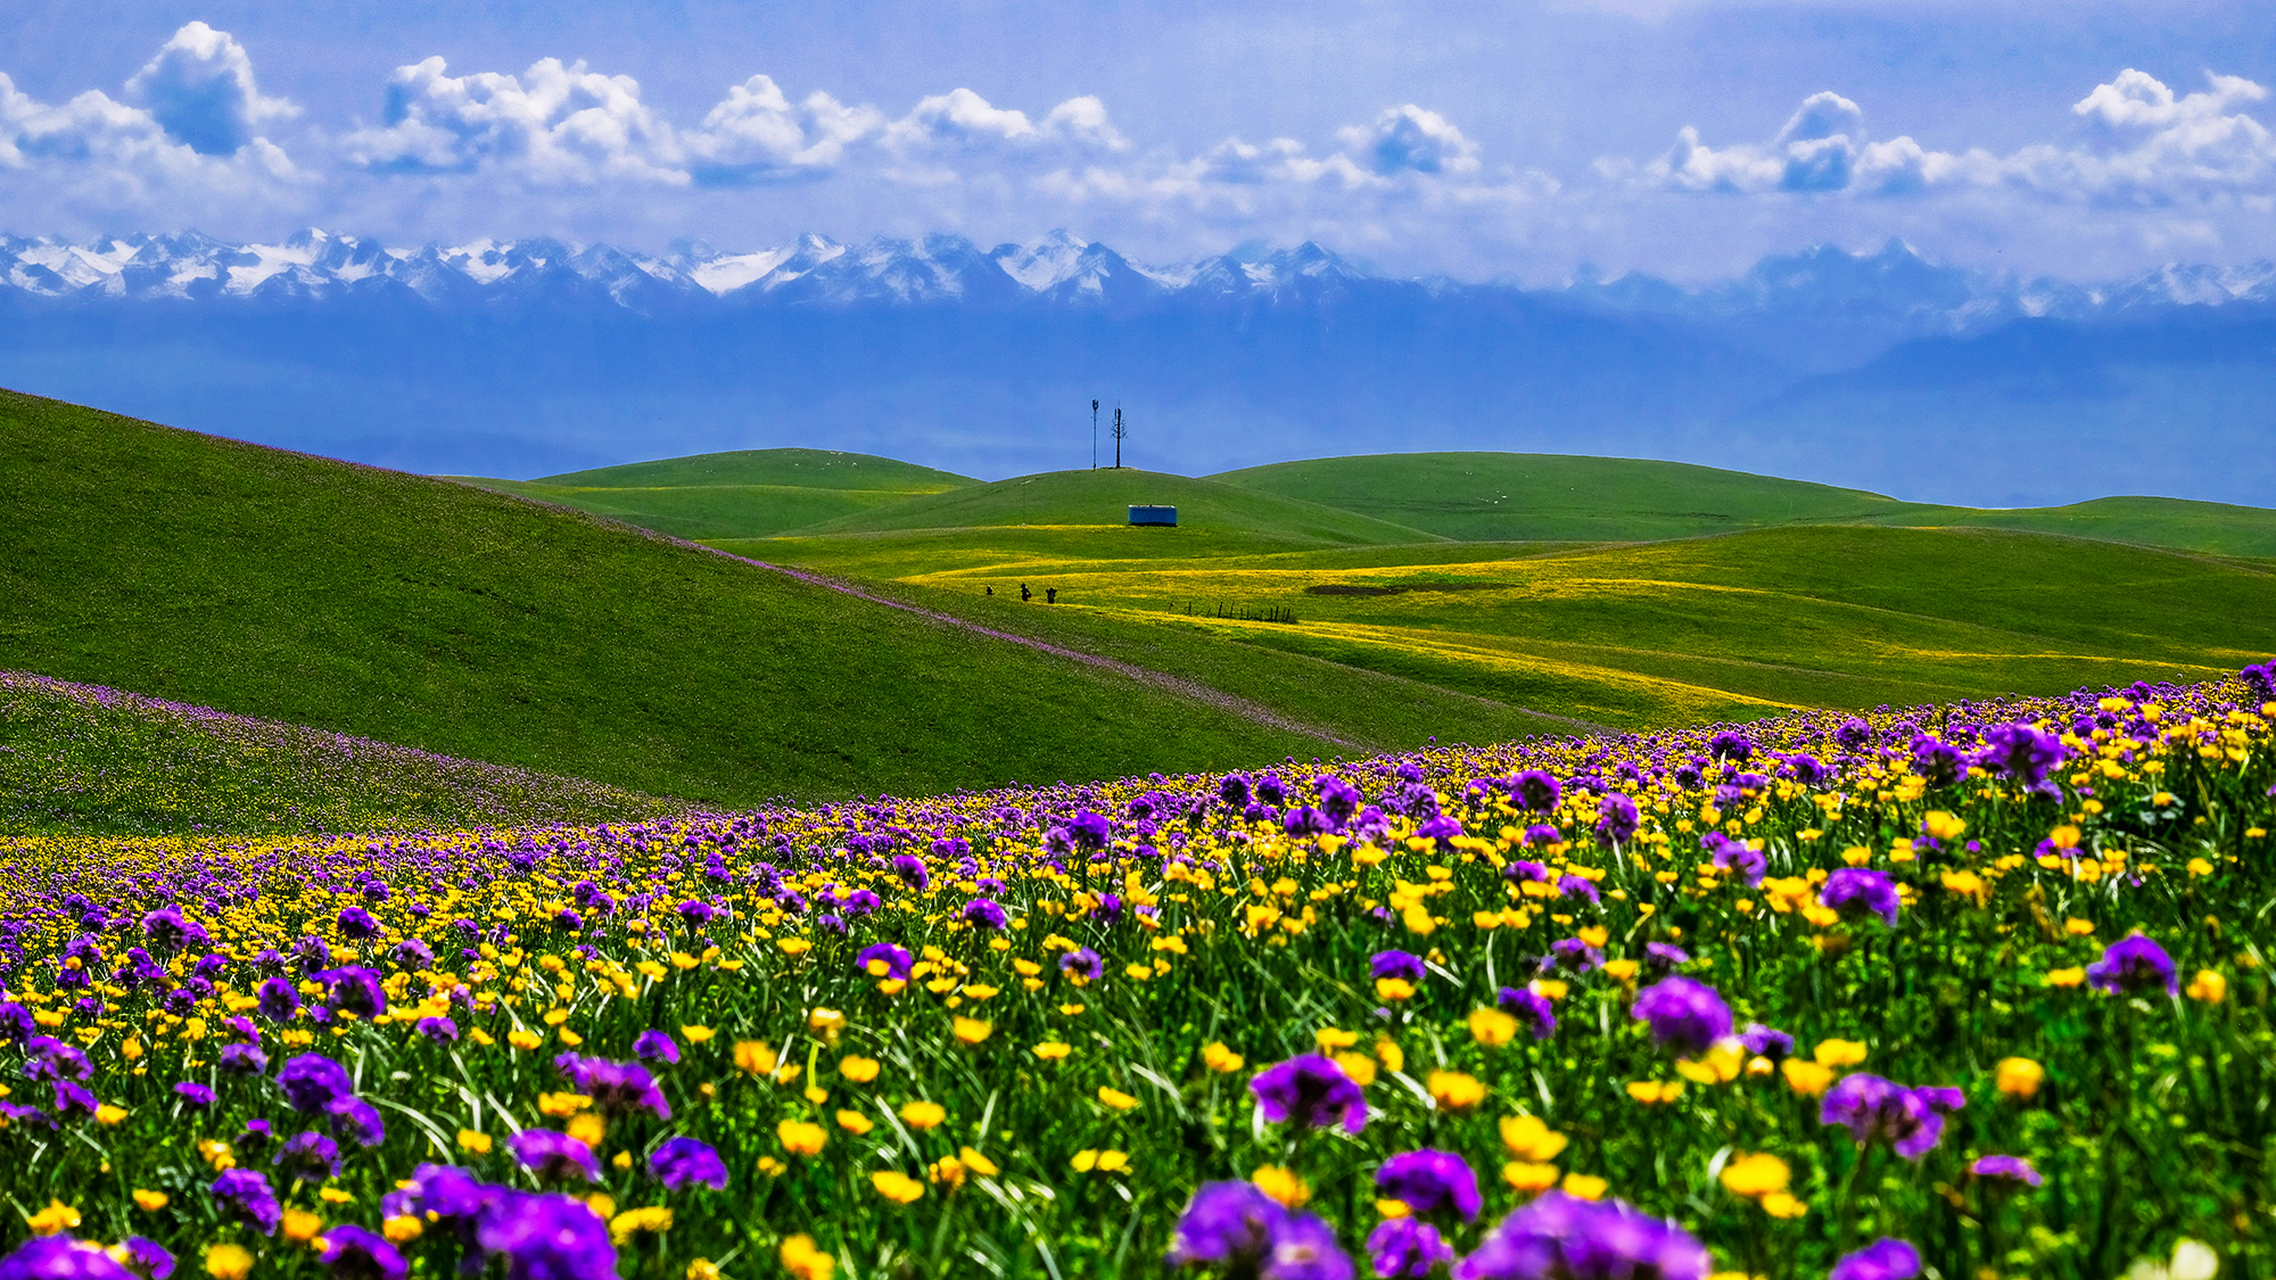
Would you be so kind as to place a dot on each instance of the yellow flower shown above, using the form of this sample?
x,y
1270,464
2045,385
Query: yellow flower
x,y
1654,1092
1755,1176
1492,1027
702,1269
217,1153
1281,1184
588,1128
1721,1065
108,1114
475,1141
923,1115
562,1105
1053,1050
826,1023
1581,1186
1393,1209
802,1138
1394,989
896,1186
804,1260
300,1224
1531,1140
2070,977
858,1070
1806,1078
1220,1059
1334,1038
1116,1099
2078,928
402,1228
697,1035
1358,1066
1942,825
58,1216
1620,970
1839,1053
755,1057
1390,1055
1101,1161
1529,1179
977,1163
947,1169
2209,987
333,1195
524,1039
150,1201
1781,1204
972,1030
655,1219
1455,1091
228,1262
2019,1077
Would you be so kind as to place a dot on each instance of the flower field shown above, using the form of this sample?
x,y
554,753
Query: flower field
x,y
1964,991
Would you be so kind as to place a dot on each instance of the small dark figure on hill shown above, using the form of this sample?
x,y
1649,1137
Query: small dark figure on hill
x,y
1025,594
991,591
1051,595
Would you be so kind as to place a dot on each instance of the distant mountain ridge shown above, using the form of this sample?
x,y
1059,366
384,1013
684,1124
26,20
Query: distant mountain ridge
x,y
1879,370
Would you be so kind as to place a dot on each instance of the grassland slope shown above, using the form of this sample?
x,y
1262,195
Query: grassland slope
x,y
468,623
743,494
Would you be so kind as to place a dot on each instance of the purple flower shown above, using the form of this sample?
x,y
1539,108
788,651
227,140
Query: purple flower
x,y
357,924
47,1058
440,1030
1686,1017
1083,965
655,1046
1858,891
554,1157
1577,887
1730,853
1558,1237
310,1157
1237,1230
1873,1109
885,960
1310,1092
352,1253
982,913
358,1120
73,1102
1304,820
194,1094
448,1192
681,1161
353,989
2131,966
546,1237
146,1258
279,1000
243,1060
1531,1008
1664,957
1403,965
1885,1259
616,1088
1536,790
1520,871
1766,1042
2008,1168
16,1022
1573,954
1730,744
246,1194
1407,1249
63,1258
2021,753
912,871
256,1138
1428,1181
313,1082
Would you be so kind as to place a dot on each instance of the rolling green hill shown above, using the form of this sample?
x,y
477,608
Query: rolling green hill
x,y
745,494
444,617
1524,497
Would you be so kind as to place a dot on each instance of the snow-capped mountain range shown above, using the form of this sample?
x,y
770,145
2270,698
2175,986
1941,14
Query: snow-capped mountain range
x,y
1877,370
1894,285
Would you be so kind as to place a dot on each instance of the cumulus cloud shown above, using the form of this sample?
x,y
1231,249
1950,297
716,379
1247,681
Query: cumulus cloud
x,y
2140,144
554,125
1410,139
756,134
200,89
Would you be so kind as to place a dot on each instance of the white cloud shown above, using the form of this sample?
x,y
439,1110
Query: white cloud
x,y
200,89
1410,139
556,125
755,134
2143,145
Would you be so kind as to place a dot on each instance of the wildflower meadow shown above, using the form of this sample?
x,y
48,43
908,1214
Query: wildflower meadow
x,y
1967,991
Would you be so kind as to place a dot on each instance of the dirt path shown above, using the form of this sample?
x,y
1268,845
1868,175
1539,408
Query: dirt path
x,y
1178,685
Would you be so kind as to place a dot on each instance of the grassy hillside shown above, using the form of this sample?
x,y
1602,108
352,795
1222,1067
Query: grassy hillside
x,y
746,494
460,621
85,759
1532,497
1707,628
1520,497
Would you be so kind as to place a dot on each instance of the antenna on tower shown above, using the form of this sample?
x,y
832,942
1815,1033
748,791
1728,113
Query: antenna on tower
x,y
1094,435
1118,432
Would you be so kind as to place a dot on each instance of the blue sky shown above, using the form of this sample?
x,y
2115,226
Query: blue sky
x,y
1686,137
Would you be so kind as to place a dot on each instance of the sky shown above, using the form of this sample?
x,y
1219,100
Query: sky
x,y
1488,139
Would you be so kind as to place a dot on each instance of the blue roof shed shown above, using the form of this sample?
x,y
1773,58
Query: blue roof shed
x,y
1154,515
